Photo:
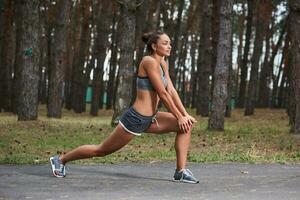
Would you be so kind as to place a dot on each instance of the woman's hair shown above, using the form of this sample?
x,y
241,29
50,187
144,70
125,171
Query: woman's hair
x,y
151,38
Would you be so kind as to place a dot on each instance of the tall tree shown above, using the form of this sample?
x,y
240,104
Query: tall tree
x,y
294,29
73,43
266,68
6,56
240,30
204,60
111,85
258,43
56,78
244,66
27,58
103,28
267,71
219,100
81,70
126,69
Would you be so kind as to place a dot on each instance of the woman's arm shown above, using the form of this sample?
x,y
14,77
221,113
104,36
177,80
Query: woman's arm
x,y
173,93
154,74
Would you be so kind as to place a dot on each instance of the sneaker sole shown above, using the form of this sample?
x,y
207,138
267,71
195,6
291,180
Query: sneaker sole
x,y
185,181
53,169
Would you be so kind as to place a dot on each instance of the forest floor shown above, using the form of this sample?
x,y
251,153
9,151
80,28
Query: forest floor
x,y
261,138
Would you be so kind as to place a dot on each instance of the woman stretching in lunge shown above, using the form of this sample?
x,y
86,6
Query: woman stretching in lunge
x,y
153,84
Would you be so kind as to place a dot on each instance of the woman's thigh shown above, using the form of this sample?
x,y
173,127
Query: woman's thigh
x,y
116,140
167,122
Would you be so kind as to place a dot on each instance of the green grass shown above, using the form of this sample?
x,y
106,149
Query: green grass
x,y
262,138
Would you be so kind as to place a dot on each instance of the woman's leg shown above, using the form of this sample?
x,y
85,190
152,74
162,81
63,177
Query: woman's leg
x,y
168,123
115,141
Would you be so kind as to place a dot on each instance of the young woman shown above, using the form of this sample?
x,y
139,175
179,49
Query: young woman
x,y
153,84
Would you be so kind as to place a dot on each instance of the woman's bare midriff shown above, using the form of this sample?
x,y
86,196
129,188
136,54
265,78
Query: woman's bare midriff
x,y
146,102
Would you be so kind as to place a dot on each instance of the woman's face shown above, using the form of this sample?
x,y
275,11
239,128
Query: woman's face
x,y
163,46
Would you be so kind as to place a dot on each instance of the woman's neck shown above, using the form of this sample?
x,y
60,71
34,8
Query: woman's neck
x,y
157,57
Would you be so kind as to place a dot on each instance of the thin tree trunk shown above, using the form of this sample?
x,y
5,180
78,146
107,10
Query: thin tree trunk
x,y
204,61
6,61
71,41
285,63
241,27
153,14
230,82
80,74
126,70
265,73
258,43
220,91
294,28
113,65
244,66
215,39
193,72
27,58
56,78
103,28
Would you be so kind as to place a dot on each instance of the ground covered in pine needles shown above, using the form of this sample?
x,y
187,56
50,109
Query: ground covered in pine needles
x,y
261,138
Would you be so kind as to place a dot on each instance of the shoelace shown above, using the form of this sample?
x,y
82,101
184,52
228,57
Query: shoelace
x,y
189,172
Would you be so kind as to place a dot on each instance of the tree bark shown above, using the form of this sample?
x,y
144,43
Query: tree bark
x,y
103,28
294,29
6,60
204,61
27,58
57,71
113,64
81,72
240,29
126,69
244,66
72,32
258,43
215,39
216,119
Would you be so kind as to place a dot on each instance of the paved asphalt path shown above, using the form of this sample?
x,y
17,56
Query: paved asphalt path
x,y
151,181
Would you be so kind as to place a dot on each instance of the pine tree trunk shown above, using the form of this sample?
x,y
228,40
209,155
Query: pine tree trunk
x,y
244,66
285,60
220,91
294,29
193,73
230,82
79,73
241,27
27,58
215,38
103,28
258,43
43,55
126,70
153,14
6,60
113,65
71,41
57,71
204,61
265,72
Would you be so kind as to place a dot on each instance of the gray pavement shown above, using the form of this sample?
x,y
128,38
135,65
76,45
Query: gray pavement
x,y
151,181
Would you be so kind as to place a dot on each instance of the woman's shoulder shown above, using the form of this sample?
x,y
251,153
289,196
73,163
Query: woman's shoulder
x,y
148,61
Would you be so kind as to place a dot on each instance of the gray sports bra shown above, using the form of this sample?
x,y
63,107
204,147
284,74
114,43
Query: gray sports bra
x,y
143,83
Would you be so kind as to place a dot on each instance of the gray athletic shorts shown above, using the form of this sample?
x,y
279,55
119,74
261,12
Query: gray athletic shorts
x,y
134,122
